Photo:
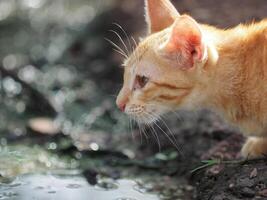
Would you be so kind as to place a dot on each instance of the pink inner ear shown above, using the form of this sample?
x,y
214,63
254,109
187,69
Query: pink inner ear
x,y
185,41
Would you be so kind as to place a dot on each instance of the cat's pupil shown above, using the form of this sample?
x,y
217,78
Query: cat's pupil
x,y
141,81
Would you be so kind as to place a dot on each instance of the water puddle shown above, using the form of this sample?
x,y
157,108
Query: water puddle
x,y
69,187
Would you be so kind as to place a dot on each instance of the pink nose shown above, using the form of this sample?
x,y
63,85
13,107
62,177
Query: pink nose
x,y
122,107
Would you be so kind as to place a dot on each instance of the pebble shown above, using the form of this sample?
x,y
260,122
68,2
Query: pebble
x,y
231,185
189,188
247,192
244,182
263,193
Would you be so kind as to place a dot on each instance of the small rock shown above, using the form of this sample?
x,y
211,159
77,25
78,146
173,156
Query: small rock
x,y
219,197
189,188
244,182
231,185
91,176
254,173
214,170
263,193
247,192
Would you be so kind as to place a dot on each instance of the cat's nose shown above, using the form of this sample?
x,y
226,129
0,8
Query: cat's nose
x,y
122,107
122,99
121,103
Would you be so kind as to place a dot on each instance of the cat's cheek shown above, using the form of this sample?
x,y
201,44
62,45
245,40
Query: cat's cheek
x,y
193,100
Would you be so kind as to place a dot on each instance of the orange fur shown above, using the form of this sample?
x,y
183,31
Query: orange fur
x,y
231,77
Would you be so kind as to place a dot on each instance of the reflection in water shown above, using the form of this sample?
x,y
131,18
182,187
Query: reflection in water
x,y
48,186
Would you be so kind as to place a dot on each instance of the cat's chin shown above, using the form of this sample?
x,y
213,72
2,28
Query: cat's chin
x,y
149,114
147,119
144,120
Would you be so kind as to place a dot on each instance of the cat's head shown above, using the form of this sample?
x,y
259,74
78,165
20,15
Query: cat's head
x,y
164,72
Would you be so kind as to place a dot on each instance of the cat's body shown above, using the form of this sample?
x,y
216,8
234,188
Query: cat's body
x,y
183,64
238,79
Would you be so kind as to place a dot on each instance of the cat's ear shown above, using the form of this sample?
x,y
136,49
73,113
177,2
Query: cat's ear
x,y
160,14
185,44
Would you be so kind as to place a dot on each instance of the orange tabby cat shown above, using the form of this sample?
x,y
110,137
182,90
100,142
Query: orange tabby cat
x,y
184,64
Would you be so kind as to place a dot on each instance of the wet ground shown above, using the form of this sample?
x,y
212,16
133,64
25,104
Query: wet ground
x,y
70,185
61,134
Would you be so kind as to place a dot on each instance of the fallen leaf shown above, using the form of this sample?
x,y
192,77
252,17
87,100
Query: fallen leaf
x,y
43,125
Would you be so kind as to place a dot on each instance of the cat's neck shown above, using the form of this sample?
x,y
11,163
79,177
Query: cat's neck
x,y
240,65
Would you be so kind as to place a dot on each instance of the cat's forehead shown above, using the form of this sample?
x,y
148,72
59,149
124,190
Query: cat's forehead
x,y
145,67
136,56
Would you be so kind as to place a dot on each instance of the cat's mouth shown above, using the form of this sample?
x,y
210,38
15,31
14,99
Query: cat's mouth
x,y
144,114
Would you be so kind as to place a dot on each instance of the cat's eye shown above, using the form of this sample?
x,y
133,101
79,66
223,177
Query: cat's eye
x,y
141,81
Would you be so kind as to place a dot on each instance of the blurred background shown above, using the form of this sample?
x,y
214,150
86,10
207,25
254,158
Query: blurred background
x,y
59,81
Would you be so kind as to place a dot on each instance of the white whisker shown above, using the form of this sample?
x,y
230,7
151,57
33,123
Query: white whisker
x,y
123,43
141,136
143,131
124,32
119,52
154,132
136,54
169,130
131,128
116,46
174,142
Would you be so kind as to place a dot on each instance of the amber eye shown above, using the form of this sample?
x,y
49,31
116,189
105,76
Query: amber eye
x,y
141,81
